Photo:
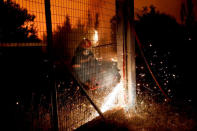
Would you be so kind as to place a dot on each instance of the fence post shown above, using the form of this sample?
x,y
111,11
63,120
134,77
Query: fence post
x,y
131,67
51,69
126,47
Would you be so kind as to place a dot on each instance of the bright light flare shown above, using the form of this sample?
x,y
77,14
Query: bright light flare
x,y
95,38
114,99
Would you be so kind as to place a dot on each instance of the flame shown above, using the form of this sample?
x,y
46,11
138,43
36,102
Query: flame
x,y
95,38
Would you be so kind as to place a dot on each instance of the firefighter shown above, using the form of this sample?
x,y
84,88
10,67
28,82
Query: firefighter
x,y
84,64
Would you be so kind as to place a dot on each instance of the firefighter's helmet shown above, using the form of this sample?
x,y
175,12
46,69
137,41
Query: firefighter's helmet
x,y
85,43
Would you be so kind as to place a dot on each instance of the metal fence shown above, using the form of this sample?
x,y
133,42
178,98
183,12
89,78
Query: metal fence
x,y
72,23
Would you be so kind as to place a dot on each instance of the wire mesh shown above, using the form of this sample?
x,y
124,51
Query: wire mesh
x,y
76,25
84,42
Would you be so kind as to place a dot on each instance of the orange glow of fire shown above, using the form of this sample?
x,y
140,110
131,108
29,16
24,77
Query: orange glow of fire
x,y
95,38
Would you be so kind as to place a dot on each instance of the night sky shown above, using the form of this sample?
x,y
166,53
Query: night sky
x,y
171,7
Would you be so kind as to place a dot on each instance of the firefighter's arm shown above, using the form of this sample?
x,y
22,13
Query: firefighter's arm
x,y
81,62
86,60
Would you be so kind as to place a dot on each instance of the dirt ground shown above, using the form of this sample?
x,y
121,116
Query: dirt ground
x,y
146,117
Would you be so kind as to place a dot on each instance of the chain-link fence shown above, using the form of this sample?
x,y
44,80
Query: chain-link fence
x,y
83,52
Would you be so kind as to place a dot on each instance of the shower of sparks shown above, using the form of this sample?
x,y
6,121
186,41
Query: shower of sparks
x,y
114,99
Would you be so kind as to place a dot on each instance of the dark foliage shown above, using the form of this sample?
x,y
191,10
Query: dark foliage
x,y
168,47
16,24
